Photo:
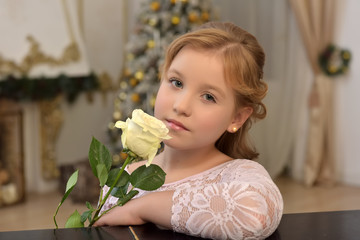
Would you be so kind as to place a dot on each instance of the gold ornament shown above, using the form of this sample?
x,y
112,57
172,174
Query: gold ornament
x,y
153,21
346,55
130,56
135,97
173,1
234,129
36,56
155,6
122,96
332,68
123,85
126,72
151,44
175,20
117,103
193,17
139,75
117,115
51,121
106,84
133,82
205,16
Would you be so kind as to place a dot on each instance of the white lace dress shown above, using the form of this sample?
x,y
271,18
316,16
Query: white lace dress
x,y
235,200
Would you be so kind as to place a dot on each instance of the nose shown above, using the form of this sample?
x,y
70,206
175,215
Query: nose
x,y
182,104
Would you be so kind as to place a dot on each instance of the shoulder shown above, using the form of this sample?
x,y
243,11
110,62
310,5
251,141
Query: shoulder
x,y
246,165
130,168
243,169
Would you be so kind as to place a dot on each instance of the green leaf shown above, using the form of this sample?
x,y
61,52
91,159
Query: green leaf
x,y
124,178
86,215
74,221
102,174
88,205
148,178
99,154
127,197
120,192
69,187
71,182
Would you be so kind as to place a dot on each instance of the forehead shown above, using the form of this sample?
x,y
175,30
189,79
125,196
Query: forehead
x,y
201,67
211,55
205,61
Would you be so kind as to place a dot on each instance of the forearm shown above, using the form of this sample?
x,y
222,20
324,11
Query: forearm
x,y
156,208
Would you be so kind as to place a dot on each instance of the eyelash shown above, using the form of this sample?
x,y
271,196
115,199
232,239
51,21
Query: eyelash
x,y
174,81
206,96
211,96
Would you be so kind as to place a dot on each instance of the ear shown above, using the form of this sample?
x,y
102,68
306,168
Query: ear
x,y
239,118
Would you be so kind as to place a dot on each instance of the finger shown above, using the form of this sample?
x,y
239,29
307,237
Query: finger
x,y
98,223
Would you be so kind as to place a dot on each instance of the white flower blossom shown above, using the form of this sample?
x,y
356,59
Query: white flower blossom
x,y
142,134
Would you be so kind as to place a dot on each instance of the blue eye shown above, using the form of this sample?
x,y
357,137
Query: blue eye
x,y
209,97
176,83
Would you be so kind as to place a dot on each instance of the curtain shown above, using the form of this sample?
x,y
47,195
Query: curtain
x,y
316,19
279,138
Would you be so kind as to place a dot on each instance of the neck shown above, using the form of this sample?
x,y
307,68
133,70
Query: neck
x,y
174,159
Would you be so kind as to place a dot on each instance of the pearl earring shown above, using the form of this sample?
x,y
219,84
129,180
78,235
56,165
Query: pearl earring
x,y
234,129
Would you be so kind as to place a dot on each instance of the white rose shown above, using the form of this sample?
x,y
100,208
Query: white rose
x,y
143,134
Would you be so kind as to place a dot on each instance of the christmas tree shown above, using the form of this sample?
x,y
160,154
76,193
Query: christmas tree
x,y
158,23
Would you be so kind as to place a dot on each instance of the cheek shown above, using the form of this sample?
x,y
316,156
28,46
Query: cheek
x,y
160,102
218,124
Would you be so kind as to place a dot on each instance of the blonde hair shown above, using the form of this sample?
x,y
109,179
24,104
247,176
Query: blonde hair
x,y
243,60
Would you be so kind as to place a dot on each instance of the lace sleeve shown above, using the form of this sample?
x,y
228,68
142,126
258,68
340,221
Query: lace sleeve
x,y
245,205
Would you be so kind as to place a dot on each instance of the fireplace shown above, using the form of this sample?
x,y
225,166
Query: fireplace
x,y
12,188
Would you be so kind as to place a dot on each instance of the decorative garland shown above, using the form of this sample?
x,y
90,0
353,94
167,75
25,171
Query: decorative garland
x,y
36,89
334,61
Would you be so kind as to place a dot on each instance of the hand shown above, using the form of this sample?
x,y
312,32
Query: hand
x,y
153,207
124,215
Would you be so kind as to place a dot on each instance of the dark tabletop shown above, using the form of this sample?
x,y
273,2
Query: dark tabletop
x,y
344,225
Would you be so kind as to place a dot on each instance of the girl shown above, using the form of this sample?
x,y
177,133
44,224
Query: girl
x,y
211,92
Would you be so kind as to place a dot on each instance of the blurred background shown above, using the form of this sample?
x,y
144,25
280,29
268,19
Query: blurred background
x,y
70,69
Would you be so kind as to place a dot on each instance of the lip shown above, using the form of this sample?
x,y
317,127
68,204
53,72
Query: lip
x,y
175,125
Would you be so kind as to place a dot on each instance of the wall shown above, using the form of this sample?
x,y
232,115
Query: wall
x,y
106,25
104,49
347,113
347,97
104,36
101,30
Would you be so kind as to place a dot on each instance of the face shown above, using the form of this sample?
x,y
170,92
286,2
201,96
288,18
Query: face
x,y
194,101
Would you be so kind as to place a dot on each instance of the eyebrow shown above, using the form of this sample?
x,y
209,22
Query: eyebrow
x,y
176,72
211,87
